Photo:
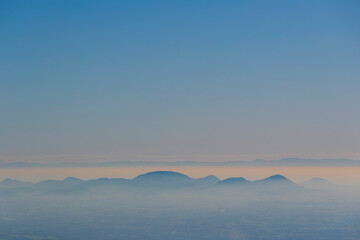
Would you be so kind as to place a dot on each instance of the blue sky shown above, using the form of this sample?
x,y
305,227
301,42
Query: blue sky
x,y
179,80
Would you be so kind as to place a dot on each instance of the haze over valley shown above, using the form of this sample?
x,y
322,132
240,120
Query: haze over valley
x,y
166,204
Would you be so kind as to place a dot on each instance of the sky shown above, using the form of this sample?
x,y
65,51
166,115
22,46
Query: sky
x,y
179,80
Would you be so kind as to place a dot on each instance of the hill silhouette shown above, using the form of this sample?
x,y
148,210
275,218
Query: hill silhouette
x,y
319,183
233,181
273,183
13,183
161,179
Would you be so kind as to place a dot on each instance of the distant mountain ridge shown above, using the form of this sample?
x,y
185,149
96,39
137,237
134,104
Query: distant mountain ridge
x,y
13,183
256,162
272,183
233,181
153,182
319,183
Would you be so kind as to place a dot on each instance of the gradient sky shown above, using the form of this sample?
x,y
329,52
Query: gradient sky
x,y
179,80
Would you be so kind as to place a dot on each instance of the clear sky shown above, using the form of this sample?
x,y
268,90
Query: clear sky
x,y
179,80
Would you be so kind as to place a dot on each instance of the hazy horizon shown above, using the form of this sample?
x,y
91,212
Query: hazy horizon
x,y
129,119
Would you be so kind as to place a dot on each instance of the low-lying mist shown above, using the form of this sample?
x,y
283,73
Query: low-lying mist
x,y
171,205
